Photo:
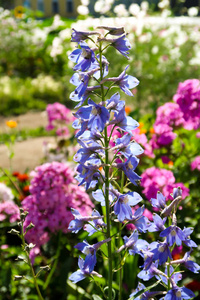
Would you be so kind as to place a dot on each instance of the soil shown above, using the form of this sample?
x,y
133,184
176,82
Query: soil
x,y
29,153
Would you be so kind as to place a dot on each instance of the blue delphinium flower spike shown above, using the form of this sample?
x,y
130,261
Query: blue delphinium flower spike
x,y
124,81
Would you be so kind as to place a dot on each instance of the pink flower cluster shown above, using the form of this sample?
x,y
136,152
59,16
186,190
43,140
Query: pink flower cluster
x,y
188,99
58,117
155,179
184,111
54,192
8,209
195,164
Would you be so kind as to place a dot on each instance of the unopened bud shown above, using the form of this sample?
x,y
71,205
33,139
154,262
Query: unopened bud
x,y
30,226
45,268
14,232
18,277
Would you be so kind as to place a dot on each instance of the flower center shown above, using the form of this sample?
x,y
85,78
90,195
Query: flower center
x,y
94,111
173,232
86,54
161,248
130,166
178,294
125,199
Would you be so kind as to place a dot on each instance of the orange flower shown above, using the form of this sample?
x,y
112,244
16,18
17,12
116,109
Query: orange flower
x,y
26,188
23,177
142,130
170,163
151,130
11,123
127,109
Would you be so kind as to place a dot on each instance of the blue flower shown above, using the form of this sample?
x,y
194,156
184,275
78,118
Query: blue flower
x,y
179,293
88,173
122,207
159,202
174,235
78,36
148,274
175,276
99,195
129,242
187,241
83,57
79,220
96,223
114,103
126,147
162,252
81,80
146,295
122,44
88,151
140,221
126,123
124,81
189,264
157,224
86,269
99,116
128,168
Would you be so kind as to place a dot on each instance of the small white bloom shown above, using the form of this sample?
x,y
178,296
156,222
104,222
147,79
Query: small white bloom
x,y
192,11
120,10
82,10
85,2
134,9
5,193
144,5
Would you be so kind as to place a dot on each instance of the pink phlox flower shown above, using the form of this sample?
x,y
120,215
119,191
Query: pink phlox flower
x,y
195,164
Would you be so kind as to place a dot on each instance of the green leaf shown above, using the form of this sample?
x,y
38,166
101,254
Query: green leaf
x,y
144,290
96,297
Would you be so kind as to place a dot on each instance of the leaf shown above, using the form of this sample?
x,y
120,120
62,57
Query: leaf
x,y
96,297
144,290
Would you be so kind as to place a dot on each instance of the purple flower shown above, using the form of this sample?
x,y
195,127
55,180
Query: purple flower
x,y
161,253
122,207
84,153
113,30
159,202
122,44
86,269
124,122
146,295
83,57
129,242
177,293
189,264
114,103
79,220
126,147
128,168
174,235
157,224
78,36
140,221
99,116
125,82
96,223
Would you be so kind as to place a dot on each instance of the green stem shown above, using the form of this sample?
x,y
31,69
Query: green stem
x,y
120,274
30,265
54,264
106,142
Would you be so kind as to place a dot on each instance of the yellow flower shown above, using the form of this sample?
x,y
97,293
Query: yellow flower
x,y
11,123
19,12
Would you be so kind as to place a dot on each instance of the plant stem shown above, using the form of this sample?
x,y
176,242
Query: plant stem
x,y
106,142
30,264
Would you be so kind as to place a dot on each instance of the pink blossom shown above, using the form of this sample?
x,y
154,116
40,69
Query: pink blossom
x,y
9,210
59,116
155,179
188,99
162,137
195,164
54,191
169,114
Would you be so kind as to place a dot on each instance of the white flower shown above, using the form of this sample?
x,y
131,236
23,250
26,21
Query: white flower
x,y
192,11
134,9
120,10
5,193
102,6
144,5
82,10
85,2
